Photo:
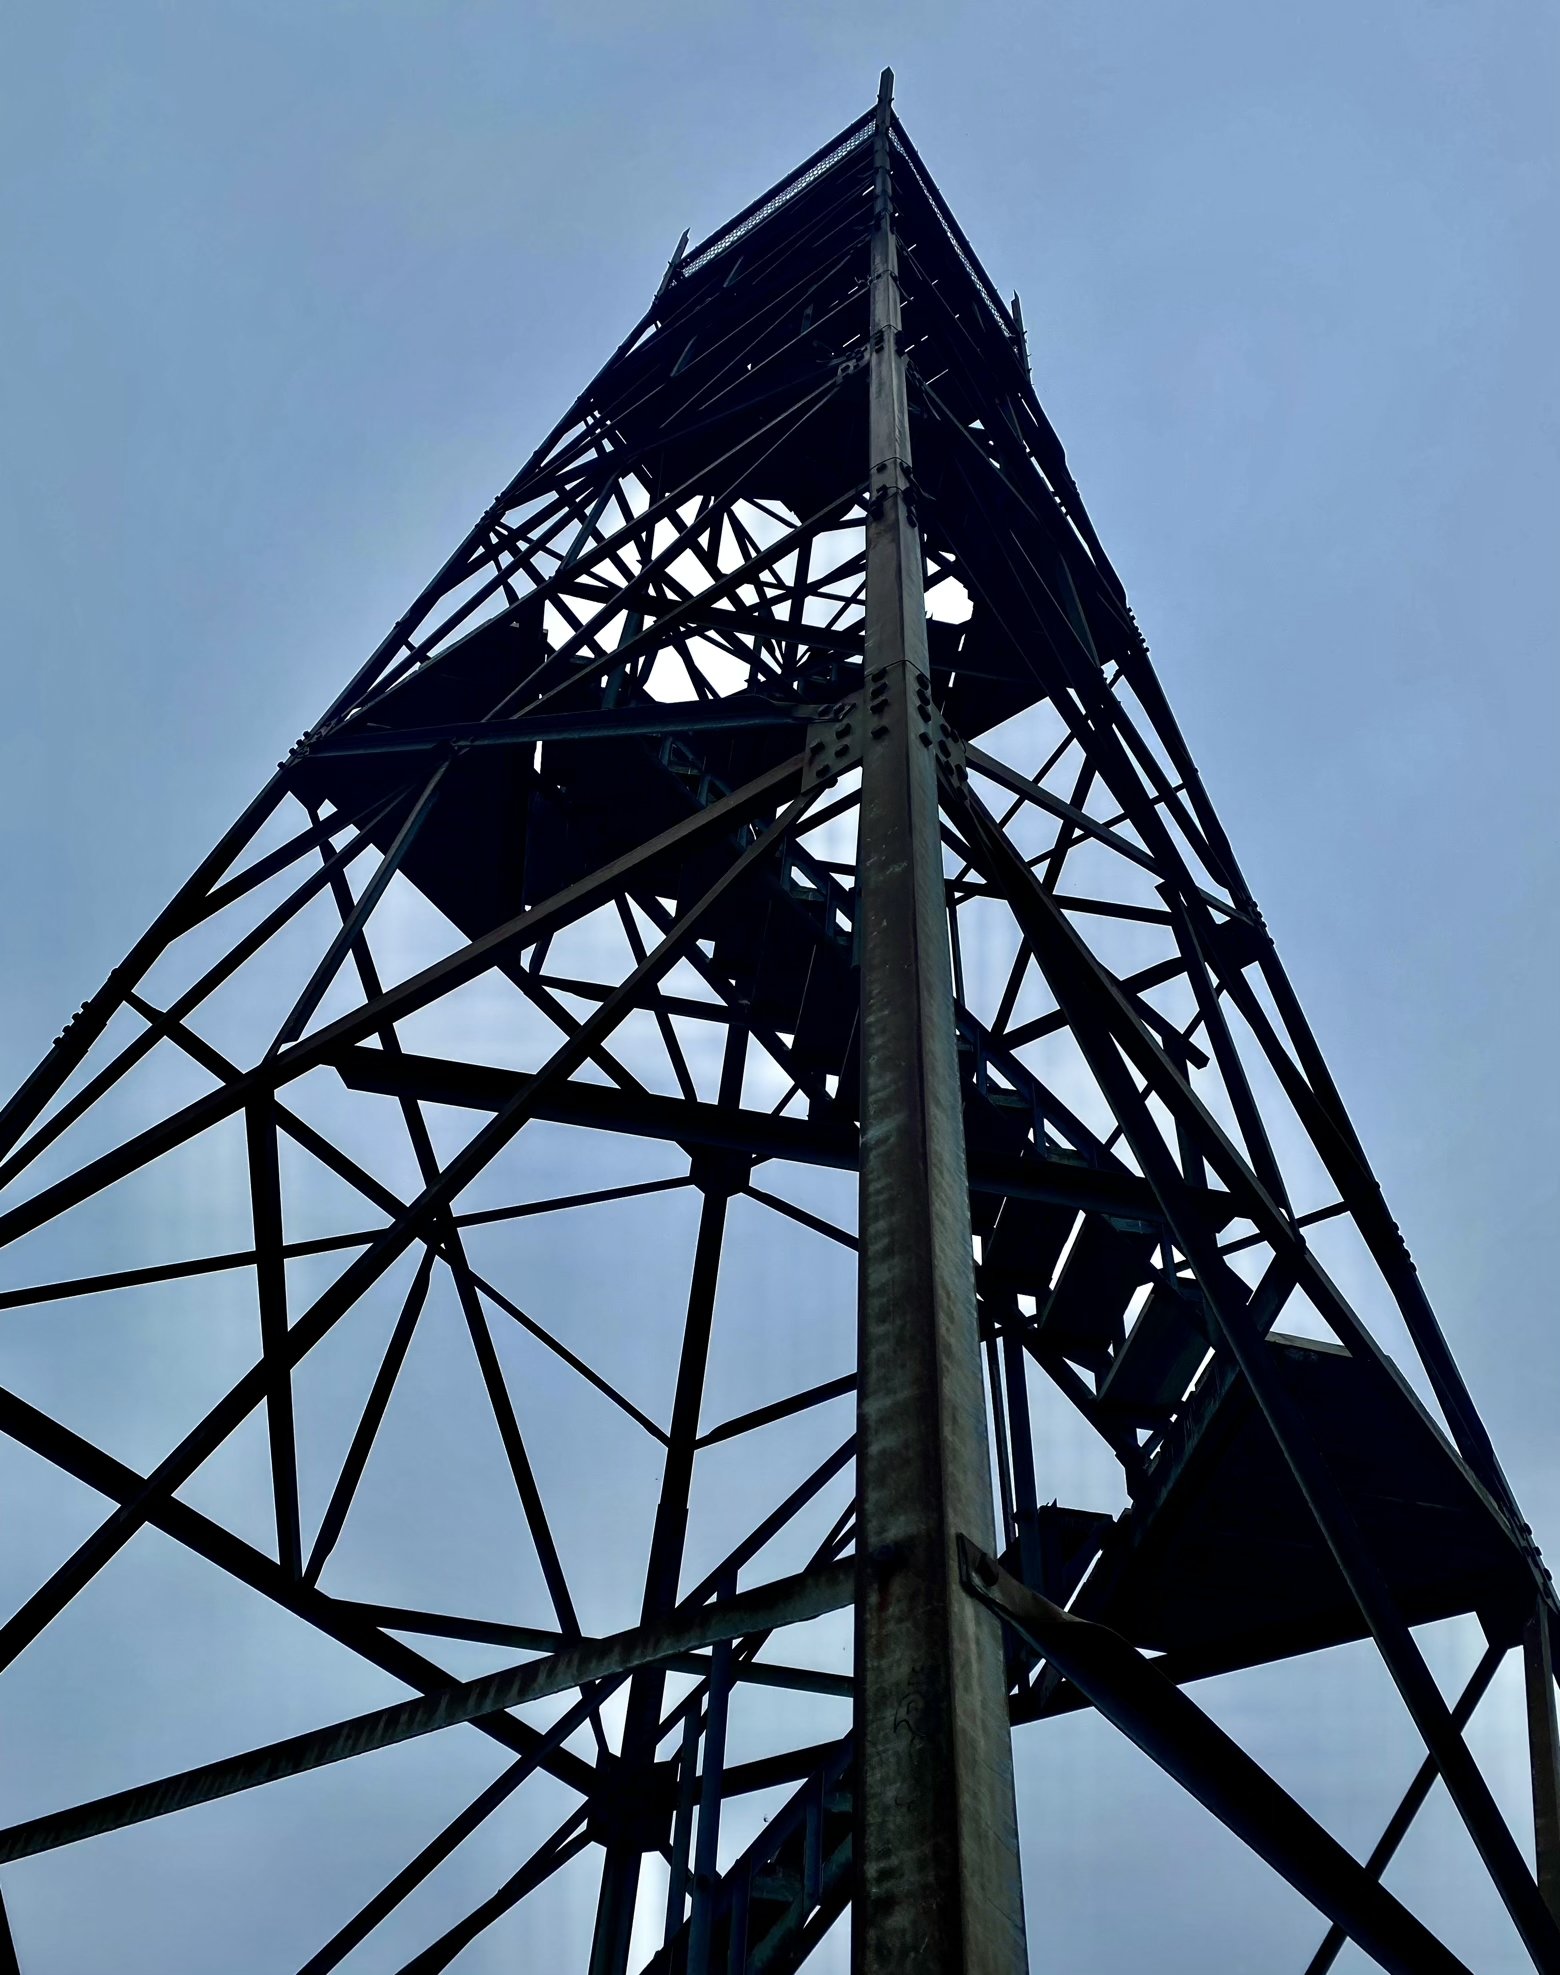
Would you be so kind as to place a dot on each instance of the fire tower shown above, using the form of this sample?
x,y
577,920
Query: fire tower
x,y
769,807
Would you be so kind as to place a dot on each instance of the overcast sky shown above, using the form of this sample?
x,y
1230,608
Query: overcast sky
x,y
289,289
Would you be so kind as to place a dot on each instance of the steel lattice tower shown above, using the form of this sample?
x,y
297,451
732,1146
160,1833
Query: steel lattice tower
x,y
683,795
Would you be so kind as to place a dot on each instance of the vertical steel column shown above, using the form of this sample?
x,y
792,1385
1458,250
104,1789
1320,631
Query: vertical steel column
x,y
1543,1751
937,1880
706,1858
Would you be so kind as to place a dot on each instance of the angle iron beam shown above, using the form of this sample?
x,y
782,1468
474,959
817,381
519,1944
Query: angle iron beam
x,y
1412,1802
620,1872
161,1022
648,719
84,1028
1008,778
9,1965
706,1856
460,1827
567,1842
540,1639
265,1187
370,1418
355,917
761,1135
109,1477
786,1601
1189,1746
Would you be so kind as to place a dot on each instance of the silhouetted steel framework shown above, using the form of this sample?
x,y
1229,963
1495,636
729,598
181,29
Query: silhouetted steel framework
x,y
681,682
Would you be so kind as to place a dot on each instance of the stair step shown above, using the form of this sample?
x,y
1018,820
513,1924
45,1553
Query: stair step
x,y
1153,1367
1084,1316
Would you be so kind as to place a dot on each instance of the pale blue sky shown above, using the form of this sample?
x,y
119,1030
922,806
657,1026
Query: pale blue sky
x,y
289,289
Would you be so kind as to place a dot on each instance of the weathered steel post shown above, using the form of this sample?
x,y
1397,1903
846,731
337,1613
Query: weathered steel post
x,y
937,1884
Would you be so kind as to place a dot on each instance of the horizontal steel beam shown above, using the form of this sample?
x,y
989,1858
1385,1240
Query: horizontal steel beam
x,y
1053,1694
786,1601
538,1639
759,1134
647,717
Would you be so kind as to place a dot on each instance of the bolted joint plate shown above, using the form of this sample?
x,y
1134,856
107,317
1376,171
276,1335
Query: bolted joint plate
x,y
927,725
834,741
